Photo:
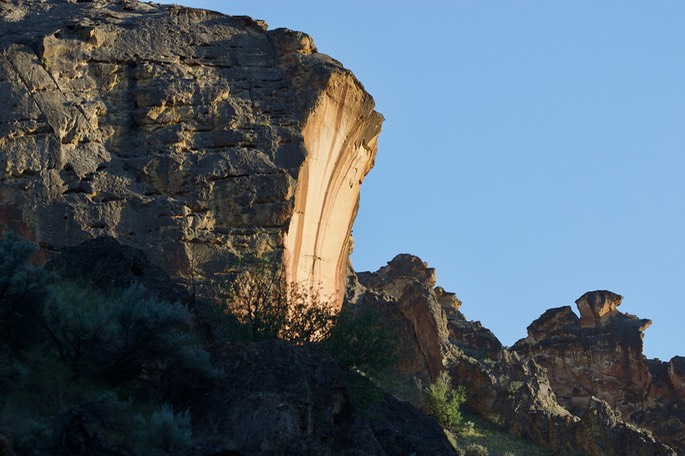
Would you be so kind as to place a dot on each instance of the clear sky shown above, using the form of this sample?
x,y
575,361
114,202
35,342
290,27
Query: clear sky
x,y
532,150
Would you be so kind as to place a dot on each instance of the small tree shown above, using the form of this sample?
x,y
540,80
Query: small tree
x,y
444,401
258,299
270,307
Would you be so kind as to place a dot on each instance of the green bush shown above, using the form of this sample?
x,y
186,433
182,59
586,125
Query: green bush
x,y
361,342
444,401
78,364
22,291
473,449
125,337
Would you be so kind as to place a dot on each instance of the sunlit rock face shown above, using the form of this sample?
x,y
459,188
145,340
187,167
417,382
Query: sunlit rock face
x,y
204,140
599,355
341,146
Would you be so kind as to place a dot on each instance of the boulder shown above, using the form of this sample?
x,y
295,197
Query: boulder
x,y
596,306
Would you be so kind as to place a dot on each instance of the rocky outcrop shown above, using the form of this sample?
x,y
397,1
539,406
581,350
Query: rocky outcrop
x,y
604,361
402,292
599,355
470,336
402,430
602,431
278,399
505,387
206,141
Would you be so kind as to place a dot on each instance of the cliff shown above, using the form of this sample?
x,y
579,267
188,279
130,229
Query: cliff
x,y
176,147
206,141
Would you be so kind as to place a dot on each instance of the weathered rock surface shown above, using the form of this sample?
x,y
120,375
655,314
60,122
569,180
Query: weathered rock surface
x,y
602,431
470,336
402,430
201,139
504,387
280,399
599,355
110,265
402,293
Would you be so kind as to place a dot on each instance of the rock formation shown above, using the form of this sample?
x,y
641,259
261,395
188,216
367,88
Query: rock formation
x,y
402,293
280,399
599,355
205,144
204,140
509,389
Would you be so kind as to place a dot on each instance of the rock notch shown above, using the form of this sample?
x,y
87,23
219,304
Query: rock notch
x,y
203,140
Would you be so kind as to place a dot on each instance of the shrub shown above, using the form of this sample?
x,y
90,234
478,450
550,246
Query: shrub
x,y
361,341
128,336
473,449
444,401
22,290
257,299
69,353
262,300
165,432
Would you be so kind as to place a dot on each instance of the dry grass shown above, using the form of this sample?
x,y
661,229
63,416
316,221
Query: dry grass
x,y
498,442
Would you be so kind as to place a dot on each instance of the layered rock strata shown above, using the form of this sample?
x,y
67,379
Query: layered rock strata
x,y
599,355
204,140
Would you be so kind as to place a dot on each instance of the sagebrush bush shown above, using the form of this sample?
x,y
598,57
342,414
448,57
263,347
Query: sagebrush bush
x,y
164,432
124,337
22,291
78,364
444,401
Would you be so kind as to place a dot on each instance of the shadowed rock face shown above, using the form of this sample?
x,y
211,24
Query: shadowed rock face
x,y
204,140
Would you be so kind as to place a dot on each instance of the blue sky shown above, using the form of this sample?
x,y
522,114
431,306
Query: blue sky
x,y
532,150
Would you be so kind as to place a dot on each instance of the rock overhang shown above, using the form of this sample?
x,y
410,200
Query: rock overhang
x,y
204,140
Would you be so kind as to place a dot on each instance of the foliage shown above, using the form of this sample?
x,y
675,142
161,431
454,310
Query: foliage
x,y
125,337
361,341
444,401
164,432
258,300
81,370
262,300
473,449
22,290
